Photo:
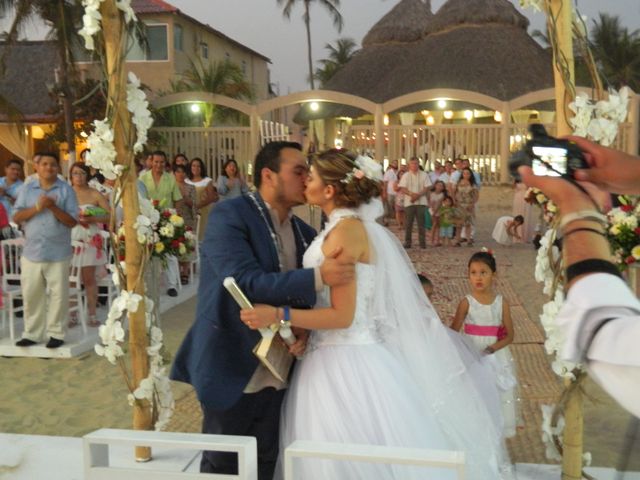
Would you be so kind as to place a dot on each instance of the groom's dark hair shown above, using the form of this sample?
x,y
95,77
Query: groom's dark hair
x,y
269,157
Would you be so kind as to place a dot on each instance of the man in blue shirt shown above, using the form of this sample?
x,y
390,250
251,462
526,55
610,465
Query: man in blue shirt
x,y
10,185
47,208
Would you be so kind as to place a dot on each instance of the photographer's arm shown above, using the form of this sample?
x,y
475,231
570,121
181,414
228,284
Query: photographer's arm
x,y
601,316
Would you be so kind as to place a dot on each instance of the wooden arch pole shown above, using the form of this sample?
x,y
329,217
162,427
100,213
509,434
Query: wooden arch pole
x,y
115,40
559,14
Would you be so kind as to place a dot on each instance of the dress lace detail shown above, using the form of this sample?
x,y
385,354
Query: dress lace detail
x,y
362,330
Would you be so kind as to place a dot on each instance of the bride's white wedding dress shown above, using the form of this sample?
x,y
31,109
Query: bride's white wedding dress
x,y
395,377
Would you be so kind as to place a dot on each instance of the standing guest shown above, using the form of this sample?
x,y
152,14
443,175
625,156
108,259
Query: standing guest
x,y
466,196
506,230
10,185
206,192
389,179
446,175
527,210
464,163
399,206
230,183
188,212
162,187
257,240
179,159
437,172
486,319
93,215
447,214
436,196
415,185
47,208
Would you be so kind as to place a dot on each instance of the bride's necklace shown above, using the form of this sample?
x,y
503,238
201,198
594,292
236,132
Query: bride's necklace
x,y
275,238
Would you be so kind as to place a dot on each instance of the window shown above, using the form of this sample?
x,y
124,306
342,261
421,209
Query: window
x,y
177,37
227,56
244,67
204,50
156,48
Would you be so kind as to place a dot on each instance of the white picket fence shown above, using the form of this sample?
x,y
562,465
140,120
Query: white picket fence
x,y
480,143
215,145
272,132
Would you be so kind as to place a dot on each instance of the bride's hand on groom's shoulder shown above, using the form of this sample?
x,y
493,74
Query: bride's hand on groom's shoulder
x,y
260,316
337,269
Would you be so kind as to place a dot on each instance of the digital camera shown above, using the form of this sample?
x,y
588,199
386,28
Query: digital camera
x,y
547,156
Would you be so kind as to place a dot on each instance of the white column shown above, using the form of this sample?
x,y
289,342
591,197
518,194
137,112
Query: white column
x,y
378,124
505,132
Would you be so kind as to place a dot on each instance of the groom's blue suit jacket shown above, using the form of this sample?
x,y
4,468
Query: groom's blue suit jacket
x,y
216,355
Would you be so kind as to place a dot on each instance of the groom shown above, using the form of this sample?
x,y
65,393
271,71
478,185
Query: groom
x,y
258,241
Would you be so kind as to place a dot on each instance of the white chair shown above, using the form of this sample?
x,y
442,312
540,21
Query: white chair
x,y
441,459
195,260
106,282
11,287
76,294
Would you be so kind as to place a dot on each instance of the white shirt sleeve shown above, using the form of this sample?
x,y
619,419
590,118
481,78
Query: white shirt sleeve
x,y
601,323
403,181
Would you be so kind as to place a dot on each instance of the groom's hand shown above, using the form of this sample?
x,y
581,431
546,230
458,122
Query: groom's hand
x,y
298,348
337,271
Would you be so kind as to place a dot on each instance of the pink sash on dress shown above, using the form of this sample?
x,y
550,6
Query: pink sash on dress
x,y
485,331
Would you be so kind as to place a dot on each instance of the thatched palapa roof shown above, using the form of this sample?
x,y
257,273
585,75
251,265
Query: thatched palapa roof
x,y
30,67
404,23
480,45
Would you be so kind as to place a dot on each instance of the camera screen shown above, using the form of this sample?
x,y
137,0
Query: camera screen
x,y
554,156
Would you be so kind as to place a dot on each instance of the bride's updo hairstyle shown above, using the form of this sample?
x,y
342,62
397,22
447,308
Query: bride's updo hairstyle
x,y
339,168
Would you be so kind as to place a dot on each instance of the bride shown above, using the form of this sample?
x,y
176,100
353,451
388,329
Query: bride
x,y
380,368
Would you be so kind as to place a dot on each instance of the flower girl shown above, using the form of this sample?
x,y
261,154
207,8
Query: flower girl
x,y
485,319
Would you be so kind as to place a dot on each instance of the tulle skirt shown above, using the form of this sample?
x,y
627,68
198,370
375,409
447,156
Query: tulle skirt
x,y
360,394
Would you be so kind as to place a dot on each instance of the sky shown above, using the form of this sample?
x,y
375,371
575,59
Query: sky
x,y
259,24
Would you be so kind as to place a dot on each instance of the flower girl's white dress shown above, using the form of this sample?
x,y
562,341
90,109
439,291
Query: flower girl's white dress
x,y
395,377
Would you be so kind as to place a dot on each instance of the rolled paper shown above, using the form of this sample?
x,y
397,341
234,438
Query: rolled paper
x,y
241,299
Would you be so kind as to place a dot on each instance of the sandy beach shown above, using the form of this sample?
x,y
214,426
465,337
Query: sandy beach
x,y
76,396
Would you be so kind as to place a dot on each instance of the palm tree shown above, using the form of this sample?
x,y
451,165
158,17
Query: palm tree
x,y
339,56
62,16
221,78
616,51
331,5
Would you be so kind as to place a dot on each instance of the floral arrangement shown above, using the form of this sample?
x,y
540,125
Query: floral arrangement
x,y
536,197
623,231
365,167
599,121
161,230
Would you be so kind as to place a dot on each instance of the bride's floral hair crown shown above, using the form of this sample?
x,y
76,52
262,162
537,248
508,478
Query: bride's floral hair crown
x,y
364,167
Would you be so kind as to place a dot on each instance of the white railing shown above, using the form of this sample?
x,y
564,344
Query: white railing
x,y
373,454
213,145
273,131
480,143
100,465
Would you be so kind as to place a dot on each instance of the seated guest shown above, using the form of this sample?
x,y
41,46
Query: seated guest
x,y
47,209
10,184
230,182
